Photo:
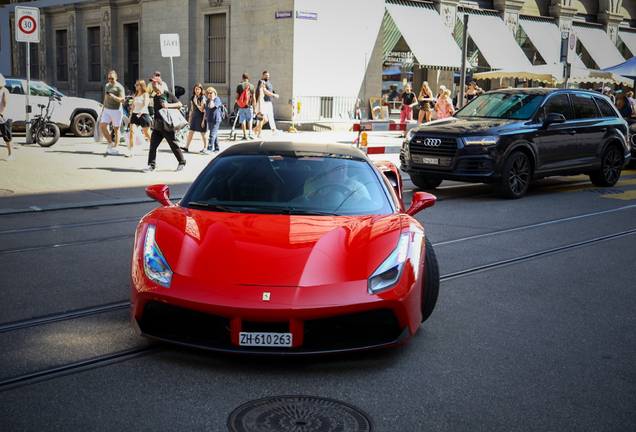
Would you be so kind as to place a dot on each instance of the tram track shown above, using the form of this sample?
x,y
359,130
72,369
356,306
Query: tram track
x,y
130,354
93,310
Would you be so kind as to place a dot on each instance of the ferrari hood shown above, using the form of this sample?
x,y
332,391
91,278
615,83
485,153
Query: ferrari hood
x,y
274,250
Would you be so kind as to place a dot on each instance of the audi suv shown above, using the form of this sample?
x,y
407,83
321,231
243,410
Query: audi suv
x,y
509,137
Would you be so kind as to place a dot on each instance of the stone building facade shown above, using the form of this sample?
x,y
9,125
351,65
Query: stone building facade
x,y
325,53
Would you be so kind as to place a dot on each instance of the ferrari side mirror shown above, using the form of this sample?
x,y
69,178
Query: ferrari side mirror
x,y
159,193
421,200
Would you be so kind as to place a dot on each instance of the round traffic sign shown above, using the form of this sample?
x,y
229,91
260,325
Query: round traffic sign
x,y
27,24
572,41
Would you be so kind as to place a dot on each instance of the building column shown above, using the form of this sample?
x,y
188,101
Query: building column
x,y
15,50
564,13
107,42
42,47
610,21
72,53
509,12
448,12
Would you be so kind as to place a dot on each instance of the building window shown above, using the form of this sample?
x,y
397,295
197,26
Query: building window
x,y
34,60
215,27
94,54
61,47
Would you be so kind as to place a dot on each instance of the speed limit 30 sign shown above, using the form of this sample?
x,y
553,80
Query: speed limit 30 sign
x,y
27,24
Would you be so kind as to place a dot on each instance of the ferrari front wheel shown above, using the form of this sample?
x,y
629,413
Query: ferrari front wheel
x,y
431,280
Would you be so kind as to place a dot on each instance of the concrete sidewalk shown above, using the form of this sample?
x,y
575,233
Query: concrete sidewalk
x,y
77,171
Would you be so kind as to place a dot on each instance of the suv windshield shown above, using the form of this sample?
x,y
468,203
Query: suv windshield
x,y
519,106
289,185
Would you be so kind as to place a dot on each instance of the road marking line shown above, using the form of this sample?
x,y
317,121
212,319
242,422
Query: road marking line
x,y
628,195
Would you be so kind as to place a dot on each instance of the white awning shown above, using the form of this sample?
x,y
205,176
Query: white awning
x,y
598,43
496,43
628,39
546,37
429,39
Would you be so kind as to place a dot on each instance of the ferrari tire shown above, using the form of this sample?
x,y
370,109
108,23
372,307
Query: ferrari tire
x,y
515,176
611,166
424,183
83,125
431,281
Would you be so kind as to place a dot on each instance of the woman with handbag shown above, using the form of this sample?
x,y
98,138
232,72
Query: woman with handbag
x,y
163,101
212,116
260,99
139,114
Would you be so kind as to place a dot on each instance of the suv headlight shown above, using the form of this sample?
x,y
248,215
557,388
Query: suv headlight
x,y
155,265
390,271
481,140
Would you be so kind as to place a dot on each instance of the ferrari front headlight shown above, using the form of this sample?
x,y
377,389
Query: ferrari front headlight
x,y
155,265
390,271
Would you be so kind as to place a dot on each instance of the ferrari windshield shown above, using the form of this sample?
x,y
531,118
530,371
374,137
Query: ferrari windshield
x,y
519,106
294,184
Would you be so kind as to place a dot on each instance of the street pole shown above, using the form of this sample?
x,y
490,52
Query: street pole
x,y
29,139
462,80
172,71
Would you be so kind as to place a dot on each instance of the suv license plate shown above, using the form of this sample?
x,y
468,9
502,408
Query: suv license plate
x,y
265,339
430,161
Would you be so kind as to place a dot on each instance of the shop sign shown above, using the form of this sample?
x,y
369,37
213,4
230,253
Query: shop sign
x,y
398,58
307,15
284,14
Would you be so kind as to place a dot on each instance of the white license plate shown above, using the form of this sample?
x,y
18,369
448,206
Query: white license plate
x,y
265,339
430,161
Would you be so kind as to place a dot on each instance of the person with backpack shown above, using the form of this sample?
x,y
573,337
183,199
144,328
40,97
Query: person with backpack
x,y
245,99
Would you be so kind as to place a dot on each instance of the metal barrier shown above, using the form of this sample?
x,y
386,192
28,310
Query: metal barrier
x,y
315,108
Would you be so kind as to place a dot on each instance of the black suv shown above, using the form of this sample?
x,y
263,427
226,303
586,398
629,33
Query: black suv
x,y
509,137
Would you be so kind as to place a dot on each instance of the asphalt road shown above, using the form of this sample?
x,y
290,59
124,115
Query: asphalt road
x,y
534,329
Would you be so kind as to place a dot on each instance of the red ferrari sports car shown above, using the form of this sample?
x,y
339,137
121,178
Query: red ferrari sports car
x,y
285,248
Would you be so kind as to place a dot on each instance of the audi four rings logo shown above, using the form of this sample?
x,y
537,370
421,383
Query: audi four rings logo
x,y
432,142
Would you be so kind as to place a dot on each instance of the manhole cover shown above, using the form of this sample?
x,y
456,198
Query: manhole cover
x,y
298,414
5,192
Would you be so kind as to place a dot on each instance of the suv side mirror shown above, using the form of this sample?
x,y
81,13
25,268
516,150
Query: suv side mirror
x,y
159,193
554,118
421,200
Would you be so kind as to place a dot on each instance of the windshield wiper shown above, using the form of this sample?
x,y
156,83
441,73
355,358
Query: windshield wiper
x,y
295,211
214,207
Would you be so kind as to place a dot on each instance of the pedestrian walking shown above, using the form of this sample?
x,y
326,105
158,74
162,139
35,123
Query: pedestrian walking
x,y
163,99
471,92
212,116
267,108
260,95
5,122
139,115
114,96
409,100
427,103
444,105
195,120
246,99
164,86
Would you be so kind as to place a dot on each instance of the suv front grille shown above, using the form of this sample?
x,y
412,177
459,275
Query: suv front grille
x,y
446,148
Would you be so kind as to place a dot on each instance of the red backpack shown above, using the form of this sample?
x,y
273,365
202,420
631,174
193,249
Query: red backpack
x,y
244,100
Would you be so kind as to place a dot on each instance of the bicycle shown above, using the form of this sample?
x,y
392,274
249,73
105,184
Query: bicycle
x,y
43,130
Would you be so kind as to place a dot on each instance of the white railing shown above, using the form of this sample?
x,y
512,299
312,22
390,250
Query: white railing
x,y
316,108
